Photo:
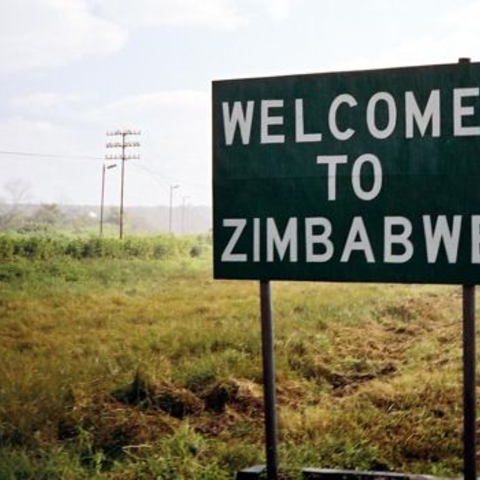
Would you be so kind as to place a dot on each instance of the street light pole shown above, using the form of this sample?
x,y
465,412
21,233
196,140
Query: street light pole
x,y
102,199
172,188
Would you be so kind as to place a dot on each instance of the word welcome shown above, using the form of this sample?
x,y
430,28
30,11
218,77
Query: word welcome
x,y
465,119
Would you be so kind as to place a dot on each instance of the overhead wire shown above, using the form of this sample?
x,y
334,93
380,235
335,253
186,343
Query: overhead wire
x,y
163,180
49,155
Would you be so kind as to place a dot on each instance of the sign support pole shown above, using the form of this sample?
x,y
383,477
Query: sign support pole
x,y
469,381
268,361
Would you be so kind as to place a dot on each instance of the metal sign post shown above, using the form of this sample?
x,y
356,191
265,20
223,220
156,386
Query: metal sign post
x,y
469,401
469,380
268,360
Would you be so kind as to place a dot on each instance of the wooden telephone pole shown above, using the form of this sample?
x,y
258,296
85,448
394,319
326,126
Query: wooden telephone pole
x,y
123,156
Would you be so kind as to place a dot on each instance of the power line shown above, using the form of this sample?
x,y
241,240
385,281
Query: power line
x,y
152,171
49,155
168,179
157,176
163,180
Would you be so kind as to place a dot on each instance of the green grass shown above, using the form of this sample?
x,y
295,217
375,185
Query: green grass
x,y
131,368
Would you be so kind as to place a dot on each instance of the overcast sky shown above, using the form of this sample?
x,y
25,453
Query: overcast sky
x,y
71,70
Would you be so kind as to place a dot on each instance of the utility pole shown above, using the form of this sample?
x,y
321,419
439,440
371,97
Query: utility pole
x,y
184,206
170,210
102,198
123,156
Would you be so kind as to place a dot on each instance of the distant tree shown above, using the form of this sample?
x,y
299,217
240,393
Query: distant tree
x,y
82,220
18,191
48,214
112,215
11,212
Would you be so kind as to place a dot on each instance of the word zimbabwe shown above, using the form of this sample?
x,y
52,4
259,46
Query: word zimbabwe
x,y
256,240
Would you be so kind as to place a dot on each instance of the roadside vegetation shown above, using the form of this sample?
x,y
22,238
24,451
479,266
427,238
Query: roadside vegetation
x,y
126,360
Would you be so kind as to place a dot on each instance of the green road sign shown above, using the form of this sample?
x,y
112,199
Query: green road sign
x,y
361,176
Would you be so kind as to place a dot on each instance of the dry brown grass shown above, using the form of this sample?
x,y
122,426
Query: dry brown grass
x,y
131,367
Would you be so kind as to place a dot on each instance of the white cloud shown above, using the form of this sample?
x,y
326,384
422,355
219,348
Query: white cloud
x,y
175,110
51,178
204,13
40,100
50,33
154,106
175,128
45,33
48,105
463,39
278,9
455,36
18,132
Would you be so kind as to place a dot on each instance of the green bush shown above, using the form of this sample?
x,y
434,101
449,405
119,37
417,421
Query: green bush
x,y
39,246
7,248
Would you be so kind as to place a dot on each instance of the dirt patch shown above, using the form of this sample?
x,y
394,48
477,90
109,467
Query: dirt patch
x,y
146,392
102,423
241,395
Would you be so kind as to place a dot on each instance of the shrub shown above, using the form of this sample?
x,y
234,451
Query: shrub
x,y
196,251
7,247
47,246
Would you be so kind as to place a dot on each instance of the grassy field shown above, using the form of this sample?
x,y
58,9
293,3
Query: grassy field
x,y
138,366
